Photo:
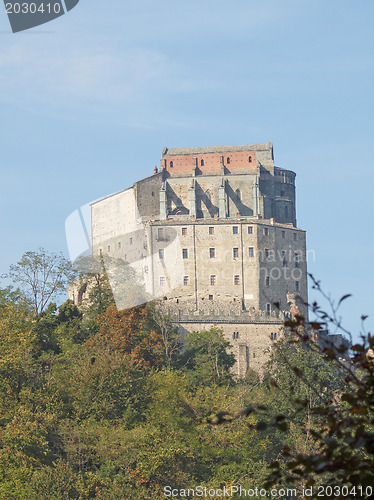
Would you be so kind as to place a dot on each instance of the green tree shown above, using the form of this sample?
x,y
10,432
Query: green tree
x,y
42,277
206,359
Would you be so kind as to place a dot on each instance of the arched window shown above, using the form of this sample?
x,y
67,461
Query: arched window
x,y
202,163
275,336
238,194
171,164
249,159
271,336
228,160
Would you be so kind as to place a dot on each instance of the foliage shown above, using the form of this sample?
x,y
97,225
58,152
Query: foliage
x,y
206,359
130,332
42,276
103,403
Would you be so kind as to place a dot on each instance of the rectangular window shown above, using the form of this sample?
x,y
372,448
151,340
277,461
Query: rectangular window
x,y
161,253
267,281
294,236
211,230
297,259
130,241
185,280
268,309
297,286
185,253
119,245
266,231
235,230
160,233
210,297
250,252
184,231
162,280
250,229
235,253
236,279
266,253
283,235
212,253
284,262
108,248
213,279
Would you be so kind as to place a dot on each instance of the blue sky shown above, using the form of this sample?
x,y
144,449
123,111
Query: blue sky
x,y
88,101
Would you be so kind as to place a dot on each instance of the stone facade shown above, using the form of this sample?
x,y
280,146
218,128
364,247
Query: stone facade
x,y
213,233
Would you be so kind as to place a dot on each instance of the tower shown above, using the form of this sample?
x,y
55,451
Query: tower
x,y
213,234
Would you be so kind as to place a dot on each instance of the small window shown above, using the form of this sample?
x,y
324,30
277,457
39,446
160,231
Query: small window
x,y
286,212
202,163
268,309
213,279
235,253
235,335
250,229
171,164
238,195
266,231
212,253
211,230
130,241
249,159
284,262
228,160
210,297
283,235
161,253
235,230
185,280
297,286
294,236
119,245
250,252
267,253
297,259
184,231
236,279
162,280
108,248
275,336
185,253
254,354
267,281
271,336
160,233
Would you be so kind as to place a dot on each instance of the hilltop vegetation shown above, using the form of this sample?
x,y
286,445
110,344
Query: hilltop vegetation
x,y
107,405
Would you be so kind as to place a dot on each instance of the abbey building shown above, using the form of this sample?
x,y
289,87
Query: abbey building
x,y
213,235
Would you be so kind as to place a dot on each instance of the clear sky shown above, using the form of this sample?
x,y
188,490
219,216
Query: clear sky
x,y
88,101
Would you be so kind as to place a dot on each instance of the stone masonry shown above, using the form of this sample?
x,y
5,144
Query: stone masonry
x,y
213,233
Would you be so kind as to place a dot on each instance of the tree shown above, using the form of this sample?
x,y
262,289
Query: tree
x,y
171,338
42,276
130,332
206,357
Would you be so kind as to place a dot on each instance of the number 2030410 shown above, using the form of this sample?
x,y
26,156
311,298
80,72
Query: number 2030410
x,y
33,8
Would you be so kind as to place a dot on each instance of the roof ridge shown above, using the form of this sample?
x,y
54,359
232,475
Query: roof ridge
x,y
216,149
